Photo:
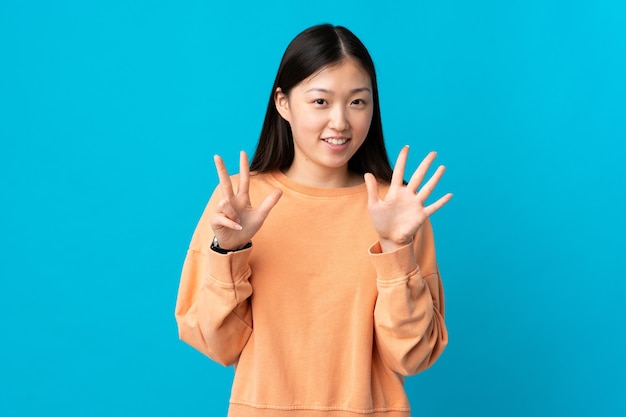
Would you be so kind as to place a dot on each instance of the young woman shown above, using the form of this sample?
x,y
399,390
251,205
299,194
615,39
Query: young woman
x,y
313,272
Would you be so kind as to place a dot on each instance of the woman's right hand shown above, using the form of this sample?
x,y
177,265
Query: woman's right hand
x,y
235,221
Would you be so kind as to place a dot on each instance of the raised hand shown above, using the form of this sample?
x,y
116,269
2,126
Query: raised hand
x,y
235,221
399,215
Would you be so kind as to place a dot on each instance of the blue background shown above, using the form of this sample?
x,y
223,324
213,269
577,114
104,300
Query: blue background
x,y
110,112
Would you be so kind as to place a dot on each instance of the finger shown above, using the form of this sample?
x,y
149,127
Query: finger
x,y
397,177
430,185
372,189
225,184
429,210
219,222
420,172
225,208
269,202
244,174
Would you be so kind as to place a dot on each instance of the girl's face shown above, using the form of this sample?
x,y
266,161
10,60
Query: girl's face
x,y
330,114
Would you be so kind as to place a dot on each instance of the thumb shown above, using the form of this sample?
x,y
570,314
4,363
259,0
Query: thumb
x,y
372,189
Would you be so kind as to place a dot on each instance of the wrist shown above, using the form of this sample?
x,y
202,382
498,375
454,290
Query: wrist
x,y
215,246
387,245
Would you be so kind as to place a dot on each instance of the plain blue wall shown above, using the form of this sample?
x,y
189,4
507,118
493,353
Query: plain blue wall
x,y
110,112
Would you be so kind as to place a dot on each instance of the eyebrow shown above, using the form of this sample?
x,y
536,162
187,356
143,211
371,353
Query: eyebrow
x,y
354,91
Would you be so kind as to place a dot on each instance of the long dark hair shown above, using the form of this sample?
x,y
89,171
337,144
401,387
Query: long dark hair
x,y
313,49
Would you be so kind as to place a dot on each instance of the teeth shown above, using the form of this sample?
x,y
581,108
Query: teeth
x,y
335,141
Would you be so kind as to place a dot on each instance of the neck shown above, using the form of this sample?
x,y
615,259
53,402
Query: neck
x,y
324,178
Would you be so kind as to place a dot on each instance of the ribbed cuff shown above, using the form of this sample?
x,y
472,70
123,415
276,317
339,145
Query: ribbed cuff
x,y
393,265
230,267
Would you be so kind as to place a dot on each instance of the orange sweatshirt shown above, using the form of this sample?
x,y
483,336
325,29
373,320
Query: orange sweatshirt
x,y
316,320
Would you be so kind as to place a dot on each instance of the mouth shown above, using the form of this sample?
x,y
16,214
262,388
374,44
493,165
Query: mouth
x,y
336,141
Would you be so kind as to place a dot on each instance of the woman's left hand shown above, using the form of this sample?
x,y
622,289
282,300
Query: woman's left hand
x,y
399,215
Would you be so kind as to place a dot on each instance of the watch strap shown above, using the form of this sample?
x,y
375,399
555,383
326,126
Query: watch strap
x,y
215,246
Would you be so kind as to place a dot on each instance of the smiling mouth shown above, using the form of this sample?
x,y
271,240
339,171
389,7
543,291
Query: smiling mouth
x,y
336,141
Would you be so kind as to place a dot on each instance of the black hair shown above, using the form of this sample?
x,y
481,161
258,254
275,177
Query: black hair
x,y
309,52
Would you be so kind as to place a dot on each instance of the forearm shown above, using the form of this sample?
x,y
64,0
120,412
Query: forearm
x,y
408,316
213,309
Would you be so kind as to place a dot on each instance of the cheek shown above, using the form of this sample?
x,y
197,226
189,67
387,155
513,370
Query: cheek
x,y
306,121
363,123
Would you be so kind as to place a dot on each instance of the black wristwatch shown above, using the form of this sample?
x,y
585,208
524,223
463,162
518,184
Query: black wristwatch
x,y
215,245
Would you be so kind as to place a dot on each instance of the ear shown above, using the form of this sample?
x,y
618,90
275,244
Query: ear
x,y
282,104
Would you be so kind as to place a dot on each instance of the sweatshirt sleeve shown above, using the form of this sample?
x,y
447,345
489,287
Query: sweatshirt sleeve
x,y
213,305
410,331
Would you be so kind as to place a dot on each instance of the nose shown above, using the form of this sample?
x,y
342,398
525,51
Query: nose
x,y
339,119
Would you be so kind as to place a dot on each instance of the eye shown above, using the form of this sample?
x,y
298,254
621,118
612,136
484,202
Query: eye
x,y
320,101
358,102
